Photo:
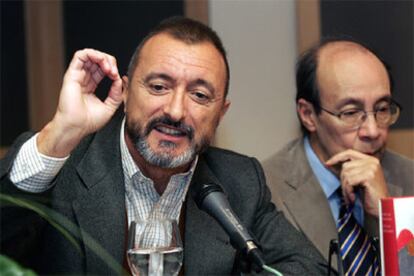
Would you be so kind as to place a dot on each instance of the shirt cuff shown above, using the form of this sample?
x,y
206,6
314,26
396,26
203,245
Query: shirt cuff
x,y
33,171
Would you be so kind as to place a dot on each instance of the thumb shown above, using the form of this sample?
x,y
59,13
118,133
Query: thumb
x,y
114,98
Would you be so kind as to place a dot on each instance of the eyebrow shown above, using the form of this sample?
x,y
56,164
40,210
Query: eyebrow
x,y
359,103
162,76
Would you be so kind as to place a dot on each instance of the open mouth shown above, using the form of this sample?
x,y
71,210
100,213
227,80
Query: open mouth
x,y
176,132
170,128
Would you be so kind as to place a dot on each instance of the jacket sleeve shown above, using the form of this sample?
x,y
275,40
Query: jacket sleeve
x,y
284,248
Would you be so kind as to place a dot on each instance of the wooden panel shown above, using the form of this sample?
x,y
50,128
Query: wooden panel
x,y
3,151
402,141
308,23
44,59
197,9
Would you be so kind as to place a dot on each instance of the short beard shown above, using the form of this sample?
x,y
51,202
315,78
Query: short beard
x,y
164,158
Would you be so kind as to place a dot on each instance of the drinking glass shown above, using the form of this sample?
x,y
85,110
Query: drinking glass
x,y
154,248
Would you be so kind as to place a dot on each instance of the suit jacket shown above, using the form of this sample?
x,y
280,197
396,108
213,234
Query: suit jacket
x,y
297,192
89,193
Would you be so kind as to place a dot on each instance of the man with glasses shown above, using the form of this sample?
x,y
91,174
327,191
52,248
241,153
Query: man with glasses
x,y
334,176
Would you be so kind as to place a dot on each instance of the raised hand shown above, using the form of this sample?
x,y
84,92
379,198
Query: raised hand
x,y
79,111
361,171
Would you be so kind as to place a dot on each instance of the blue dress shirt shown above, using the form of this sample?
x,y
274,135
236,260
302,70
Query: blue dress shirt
x,y
329,184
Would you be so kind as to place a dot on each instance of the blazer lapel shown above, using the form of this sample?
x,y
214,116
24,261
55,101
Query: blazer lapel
x,y
101,211
207,248
302,191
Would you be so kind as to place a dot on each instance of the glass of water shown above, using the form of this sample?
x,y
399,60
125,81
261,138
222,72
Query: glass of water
x,y
154,247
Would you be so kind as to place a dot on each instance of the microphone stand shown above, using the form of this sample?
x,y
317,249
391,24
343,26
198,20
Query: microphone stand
x,y
334,249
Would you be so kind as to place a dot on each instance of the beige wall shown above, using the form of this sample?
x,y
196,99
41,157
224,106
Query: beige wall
x,y
260,37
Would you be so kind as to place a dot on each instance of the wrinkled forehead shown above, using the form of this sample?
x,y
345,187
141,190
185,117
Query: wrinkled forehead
x,y
163,43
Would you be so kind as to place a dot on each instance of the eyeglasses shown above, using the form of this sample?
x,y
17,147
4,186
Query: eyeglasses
x,y
386,113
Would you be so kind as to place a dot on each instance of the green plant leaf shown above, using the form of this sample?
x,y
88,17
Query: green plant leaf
x,y
8,267
66,227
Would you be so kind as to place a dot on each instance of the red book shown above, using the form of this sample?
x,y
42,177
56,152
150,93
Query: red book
x,y
397,236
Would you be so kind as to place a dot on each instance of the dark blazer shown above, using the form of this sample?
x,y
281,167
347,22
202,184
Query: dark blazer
x,y
89,192
298,194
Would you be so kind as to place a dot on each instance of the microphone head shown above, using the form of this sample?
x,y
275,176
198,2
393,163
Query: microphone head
x,y
200,190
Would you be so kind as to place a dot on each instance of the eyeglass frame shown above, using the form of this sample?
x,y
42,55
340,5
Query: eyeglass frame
x,y
392,102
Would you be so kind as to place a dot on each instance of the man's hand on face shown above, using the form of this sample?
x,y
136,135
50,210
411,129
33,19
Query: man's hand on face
x,y
361,171
79,111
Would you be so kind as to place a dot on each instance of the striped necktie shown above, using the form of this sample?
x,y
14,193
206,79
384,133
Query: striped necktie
x,y
356,248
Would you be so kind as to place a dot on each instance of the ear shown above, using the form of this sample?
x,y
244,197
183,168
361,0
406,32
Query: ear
x,y
307,115
224,109
125,90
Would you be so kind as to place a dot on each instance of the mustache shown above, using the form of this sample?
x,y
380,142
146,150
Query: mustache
x,y
167,121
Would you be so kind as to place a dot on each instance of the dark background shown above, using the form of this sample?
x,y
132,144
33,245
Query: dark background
x,y
114,27
382,25
13,82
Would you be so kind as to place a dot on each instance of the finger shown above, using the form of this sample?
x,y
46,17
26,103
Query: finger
x,y
86,81
349,184
113,74
348,193
88,64
90,59
345,156
92,67
367,167
102,62
106,62
81,64
92,72
86,78
85,58
355,172
354,178
98,75
91,86
360,164
114,98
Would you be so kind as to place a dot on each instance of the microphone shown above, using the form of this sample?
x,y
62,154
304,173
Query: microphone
x,y
210,198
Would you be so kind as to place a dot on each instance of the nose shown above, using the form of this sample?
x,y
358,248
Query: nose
x,y
369,128
175,107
